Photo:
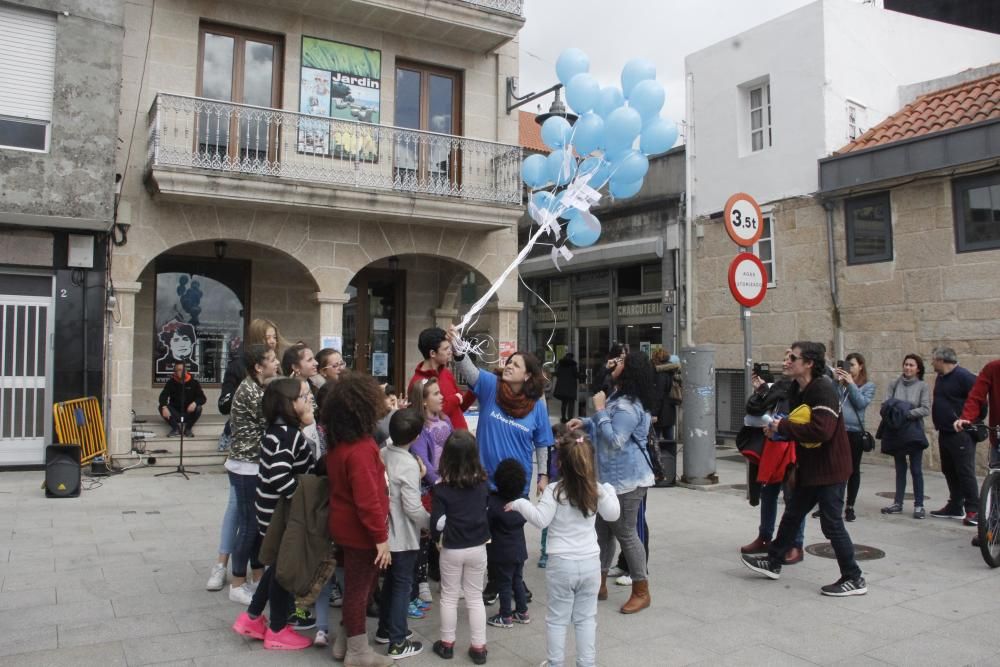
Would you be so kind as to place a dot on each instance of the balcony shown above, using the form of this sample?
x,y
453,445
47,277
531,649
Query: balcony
x,y
477,25
207,150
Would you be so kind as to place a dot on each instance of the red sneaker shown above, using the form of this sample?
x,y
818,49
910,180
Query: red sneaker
x,y
285,640
254,628
971,519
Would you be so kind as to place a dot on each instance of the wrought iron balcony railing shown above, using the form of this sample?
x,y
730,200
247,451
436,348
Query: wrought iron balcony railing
x,y
237,138
509,6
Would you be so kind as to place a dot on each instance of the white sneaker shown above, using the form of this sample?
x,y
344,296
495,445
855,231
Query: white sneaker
x,y
251,586
336,597
624,580
425,592
241,595
615,572
217,579
321,639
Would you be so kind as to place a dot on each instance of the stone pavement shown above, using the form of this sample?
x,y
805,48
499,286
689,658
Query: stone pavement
x,y
116,577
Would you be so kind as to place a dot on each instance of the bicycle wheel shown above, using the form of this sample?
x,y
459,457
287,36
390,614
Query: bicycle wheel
x,y
989,519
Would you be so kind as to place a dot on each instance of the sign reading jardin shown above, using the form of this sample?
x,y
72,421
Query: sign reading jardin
x,y
747,279
342,82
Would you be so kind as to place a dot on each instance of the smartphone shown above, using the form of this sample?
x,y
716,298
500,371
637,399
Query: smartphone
x,y
840,364
758,367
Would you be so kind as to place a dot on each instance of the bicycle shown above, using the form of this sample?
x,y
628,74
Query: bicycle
x,y
989,505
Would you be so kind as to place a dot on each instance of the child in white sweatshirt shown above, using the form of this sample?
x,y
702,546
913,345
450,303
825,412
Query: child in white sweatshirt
x,y
568,509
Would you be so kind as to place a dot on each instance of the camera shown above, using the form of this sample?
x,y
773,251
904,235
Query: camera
x,y
840,364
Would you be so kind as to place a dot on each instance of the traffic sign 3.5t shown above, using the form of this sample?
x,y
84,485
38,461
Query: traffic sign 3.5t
x,y
743,219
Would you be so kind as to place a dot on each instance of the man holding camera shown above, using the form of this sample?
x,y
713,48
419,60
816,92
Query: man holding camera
x,y
181,401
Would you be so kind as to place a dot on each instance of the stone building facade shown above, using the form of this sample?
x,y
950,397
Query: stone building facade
x,y
342,168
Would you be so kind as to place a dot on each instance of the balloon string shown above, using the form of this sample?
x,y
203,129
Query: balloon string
x,y
555,320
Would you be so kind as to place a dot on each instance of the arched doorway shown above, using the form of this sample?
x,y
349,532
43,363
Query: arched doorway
x,y
392,300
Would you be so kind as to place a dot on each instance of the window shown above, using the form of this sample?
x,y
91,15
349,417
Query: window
x,y
760,117
639,279
429,99
855,120
764,248
869,229
977,212
27,73
244,67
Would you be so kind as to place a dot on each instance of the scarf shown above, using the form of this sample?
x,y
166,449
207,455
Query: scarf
x,y
517,406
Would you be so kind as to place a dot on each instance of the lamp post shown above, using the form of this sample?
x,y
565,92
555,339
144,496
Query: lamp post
x,y
557,107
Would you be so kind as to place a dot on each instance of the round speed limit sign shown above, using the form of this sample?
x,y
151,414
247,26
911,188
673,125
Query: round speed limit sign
x,y
743,219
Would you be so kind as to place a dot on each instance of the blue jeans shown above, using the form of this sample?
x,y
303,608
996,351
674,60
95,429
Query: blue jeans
x,y
323,601
572,592
227,536
248,537
916,470
831,519
510,584
769,514
396,595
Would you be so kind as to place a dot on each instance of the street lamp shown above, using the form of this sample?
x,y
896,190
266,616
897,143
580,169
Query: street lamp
x,y
556,109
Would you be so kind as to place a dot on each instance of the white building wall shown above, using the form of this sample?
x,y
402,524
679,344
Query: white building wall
x,y
817,58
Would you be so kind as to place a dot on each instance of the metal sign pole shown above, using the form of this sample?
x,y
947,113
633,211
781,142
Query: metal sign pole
x,y
747,352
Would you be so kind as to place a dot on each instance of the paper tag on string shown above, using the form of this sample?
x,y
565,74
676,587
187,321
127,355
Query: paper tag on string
x,y
560,251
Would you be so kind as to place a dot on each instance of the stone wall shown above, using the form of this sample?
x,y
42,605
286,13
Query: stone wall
x,y
928,295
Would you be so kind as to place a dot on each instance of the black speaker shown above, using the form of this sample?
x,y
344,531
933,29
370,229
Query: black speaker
x,y
62,471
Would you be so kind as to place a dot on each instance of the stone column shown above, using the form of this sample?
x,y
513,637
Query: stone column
x,y
444,317
331,315
122,344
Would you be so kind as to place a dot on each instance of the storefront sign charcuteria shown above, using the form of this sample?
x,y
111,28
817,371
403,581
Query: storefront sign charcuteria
x,y
640,309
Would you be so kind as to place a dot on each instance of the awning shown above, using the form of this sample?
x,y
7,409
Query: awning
x,y
619,252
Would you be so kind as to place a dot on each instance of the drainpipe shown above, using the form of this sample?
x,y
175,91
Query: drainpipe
x,y
838,333
689,151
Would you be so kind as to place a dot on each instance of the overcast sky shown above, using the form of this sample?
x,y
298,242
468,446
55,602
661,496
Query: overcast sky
x,y
663,31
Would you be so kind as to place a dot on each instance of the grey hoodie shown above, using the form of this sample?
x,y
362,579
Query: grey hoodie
x,y
406,513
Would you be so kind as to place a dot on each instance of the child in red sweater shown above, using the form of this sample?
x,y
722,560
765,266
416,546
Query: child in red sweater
x,y
359,503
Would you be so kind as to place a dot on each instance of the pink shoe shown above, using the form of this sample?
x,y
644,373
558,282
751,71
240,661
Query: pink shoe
x,y
285,640
249,627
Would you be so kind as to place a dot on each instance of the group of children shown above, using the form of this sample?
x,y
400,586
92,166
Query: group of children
x,y
389,507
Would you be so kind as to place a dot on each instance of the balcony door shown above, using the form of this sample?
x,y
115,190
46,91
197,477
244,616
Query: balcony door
x,y
428,98
242,67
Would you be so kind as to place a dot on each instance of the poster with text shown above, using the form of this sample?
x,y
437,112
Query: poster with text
x,y
349,78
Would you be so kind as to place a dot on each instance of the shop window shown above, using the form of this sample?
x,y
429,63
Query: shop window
x,y
977,212
244,67
869,229
199,315
27,70
559,291
764,248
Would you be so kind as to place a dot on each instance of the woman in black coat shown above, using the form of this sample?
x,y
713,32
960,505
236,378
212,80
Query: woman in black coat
x,y
567,376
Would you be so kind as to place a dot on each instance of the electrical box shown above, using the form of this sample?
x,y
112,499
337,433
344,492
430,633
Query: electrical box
x,y
81,252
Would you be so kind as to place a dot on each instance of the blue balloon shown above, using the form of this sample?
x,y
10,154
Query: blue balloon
x,y
609,99
570,63
630,168
598,168
621,190
621,128
658,136
555,132
647,98
636,70
588,133
543,200
582,92
582,234
561,167
533,171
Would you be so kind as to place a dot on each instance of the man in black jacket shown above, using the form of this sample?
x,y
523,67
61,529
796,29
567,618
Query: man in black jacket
x,y
181,401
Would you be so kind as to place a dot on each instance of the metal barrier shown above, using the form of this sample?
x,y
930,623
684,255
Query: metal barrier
x,y
79,422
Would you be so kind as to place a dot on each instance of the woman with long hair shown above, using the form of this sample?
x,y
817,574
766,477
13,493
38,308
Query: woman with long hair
x,y
259,332
242,465
619,430
911,388
856,393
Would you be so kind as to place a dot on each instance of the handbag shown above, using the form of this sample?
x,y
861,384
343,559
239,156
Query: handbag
x,y
867,442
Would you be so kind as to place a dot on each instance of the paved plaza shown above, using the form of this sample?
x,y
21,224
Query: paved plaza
x,y
117,576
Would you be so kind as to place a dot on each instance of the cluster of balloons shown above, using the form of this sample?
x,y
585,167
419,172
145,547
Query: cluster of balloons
x,y
610,143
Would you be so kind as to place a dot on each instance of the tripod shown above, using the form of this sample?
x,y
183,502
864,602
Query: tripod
x,y
180,462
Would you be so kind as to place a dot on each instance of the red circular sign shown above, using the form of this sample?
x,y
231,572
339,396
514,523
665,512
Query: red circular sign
x,y
743,219
747,279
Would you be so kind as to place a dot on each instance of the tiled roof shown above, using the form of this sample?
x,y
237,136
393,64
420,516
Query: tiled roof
x,y
964,104
530,133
